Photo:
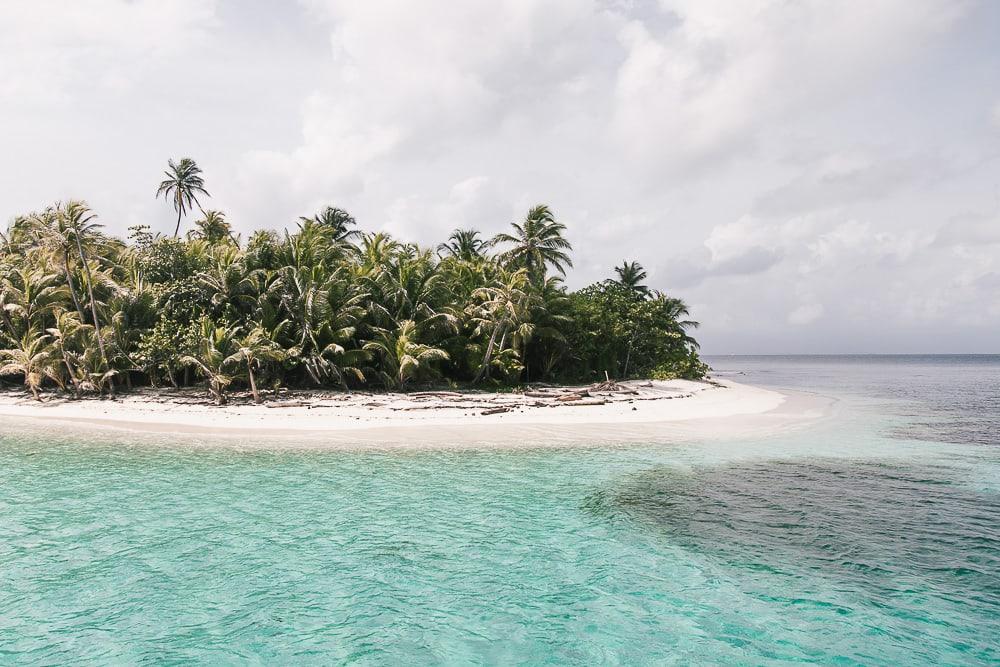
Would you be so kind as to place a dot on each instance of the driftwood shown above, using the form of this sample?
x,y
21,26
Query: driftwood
x,y
442,406
589,401
436,394
290,404
540,394
608,385
494,411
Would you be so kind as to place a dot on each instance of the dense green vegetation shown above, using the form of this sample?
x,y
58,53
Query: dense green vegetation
x,y
324,305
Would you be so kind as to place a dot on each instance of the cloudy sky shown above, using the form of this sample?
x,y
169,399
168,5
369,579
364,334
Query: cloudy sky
x,y
810,176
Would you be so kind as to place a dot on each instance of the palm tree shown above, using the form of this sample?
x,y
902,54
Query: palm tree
x,y
79,219
32,358
321,313
407,285
503,310
676,309
51,229
66,330
133,312
463,244
548,315
402,357
182,186
212,355
338,221
537,243
232,287
377,251
93,369
252,349
29,294
631,275
213,228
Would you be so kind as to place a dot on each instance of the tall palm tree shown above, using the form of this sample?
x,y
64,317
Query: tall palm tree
x,y
80,219
463,244
52,231
182,185
548,315
504,312
537,243
66,329
631,275
321,313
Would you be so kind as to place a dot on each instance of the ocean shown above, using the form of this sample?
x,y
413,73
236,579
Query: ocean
x,y
868,537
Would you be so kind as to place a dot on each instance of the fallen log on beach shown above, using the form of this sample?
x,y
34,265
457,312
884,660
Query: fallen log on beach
x,y
290,404
436,394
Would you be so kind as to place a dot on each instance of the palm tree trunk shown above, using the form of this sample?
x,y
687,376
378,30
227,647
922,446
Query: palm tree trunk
x,y
628,354
7,321
177,229
524,358
72,376
72,287
216,390
253,383
484,370
93,303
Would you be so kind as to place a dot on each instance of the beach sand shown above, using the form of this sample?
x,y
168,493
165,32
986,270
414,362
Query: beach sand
x,y
638,411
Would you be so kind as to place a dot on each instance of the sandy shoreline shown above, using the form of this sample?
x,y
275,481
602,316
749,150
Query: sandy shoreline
x,y
637,411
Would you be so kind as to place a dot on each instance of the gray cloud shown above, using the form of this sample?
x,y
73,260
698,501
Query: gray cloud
x,y
843,180
698,267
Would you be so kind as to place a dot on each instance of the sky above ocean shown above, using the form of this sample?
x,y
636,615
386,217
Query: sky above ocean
x,y
810,177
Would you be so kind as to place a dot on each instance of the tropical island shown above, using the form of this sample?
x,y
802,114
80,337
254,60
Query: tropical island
x,y
377,330
324,306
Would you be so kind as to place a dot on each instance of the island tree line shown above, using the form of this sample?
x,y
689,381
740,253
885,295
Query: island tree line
x,y
325,305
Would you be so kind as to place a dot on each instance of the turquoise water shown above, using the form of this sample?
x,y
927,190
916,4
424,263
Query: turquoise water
x,y
870,538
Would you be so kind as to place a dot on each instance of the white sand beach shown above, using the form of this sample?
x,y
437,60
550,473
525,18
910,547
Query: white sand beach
x,y
577,415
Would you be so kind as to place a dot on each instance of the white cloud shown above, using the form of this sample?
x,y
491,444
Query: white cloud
x,y
772,162
806,314
51,49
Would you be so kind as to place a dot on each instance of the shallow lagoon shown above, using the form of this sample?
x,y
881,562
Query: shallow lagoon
x,y
870,537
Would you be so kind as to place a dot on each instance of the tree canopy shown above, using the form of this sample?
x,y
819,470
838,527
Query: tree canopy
x,y
325,304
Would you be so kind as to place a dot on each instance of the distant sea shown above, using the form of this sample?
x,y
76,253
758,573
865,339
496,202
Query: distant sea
x,y
871,537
